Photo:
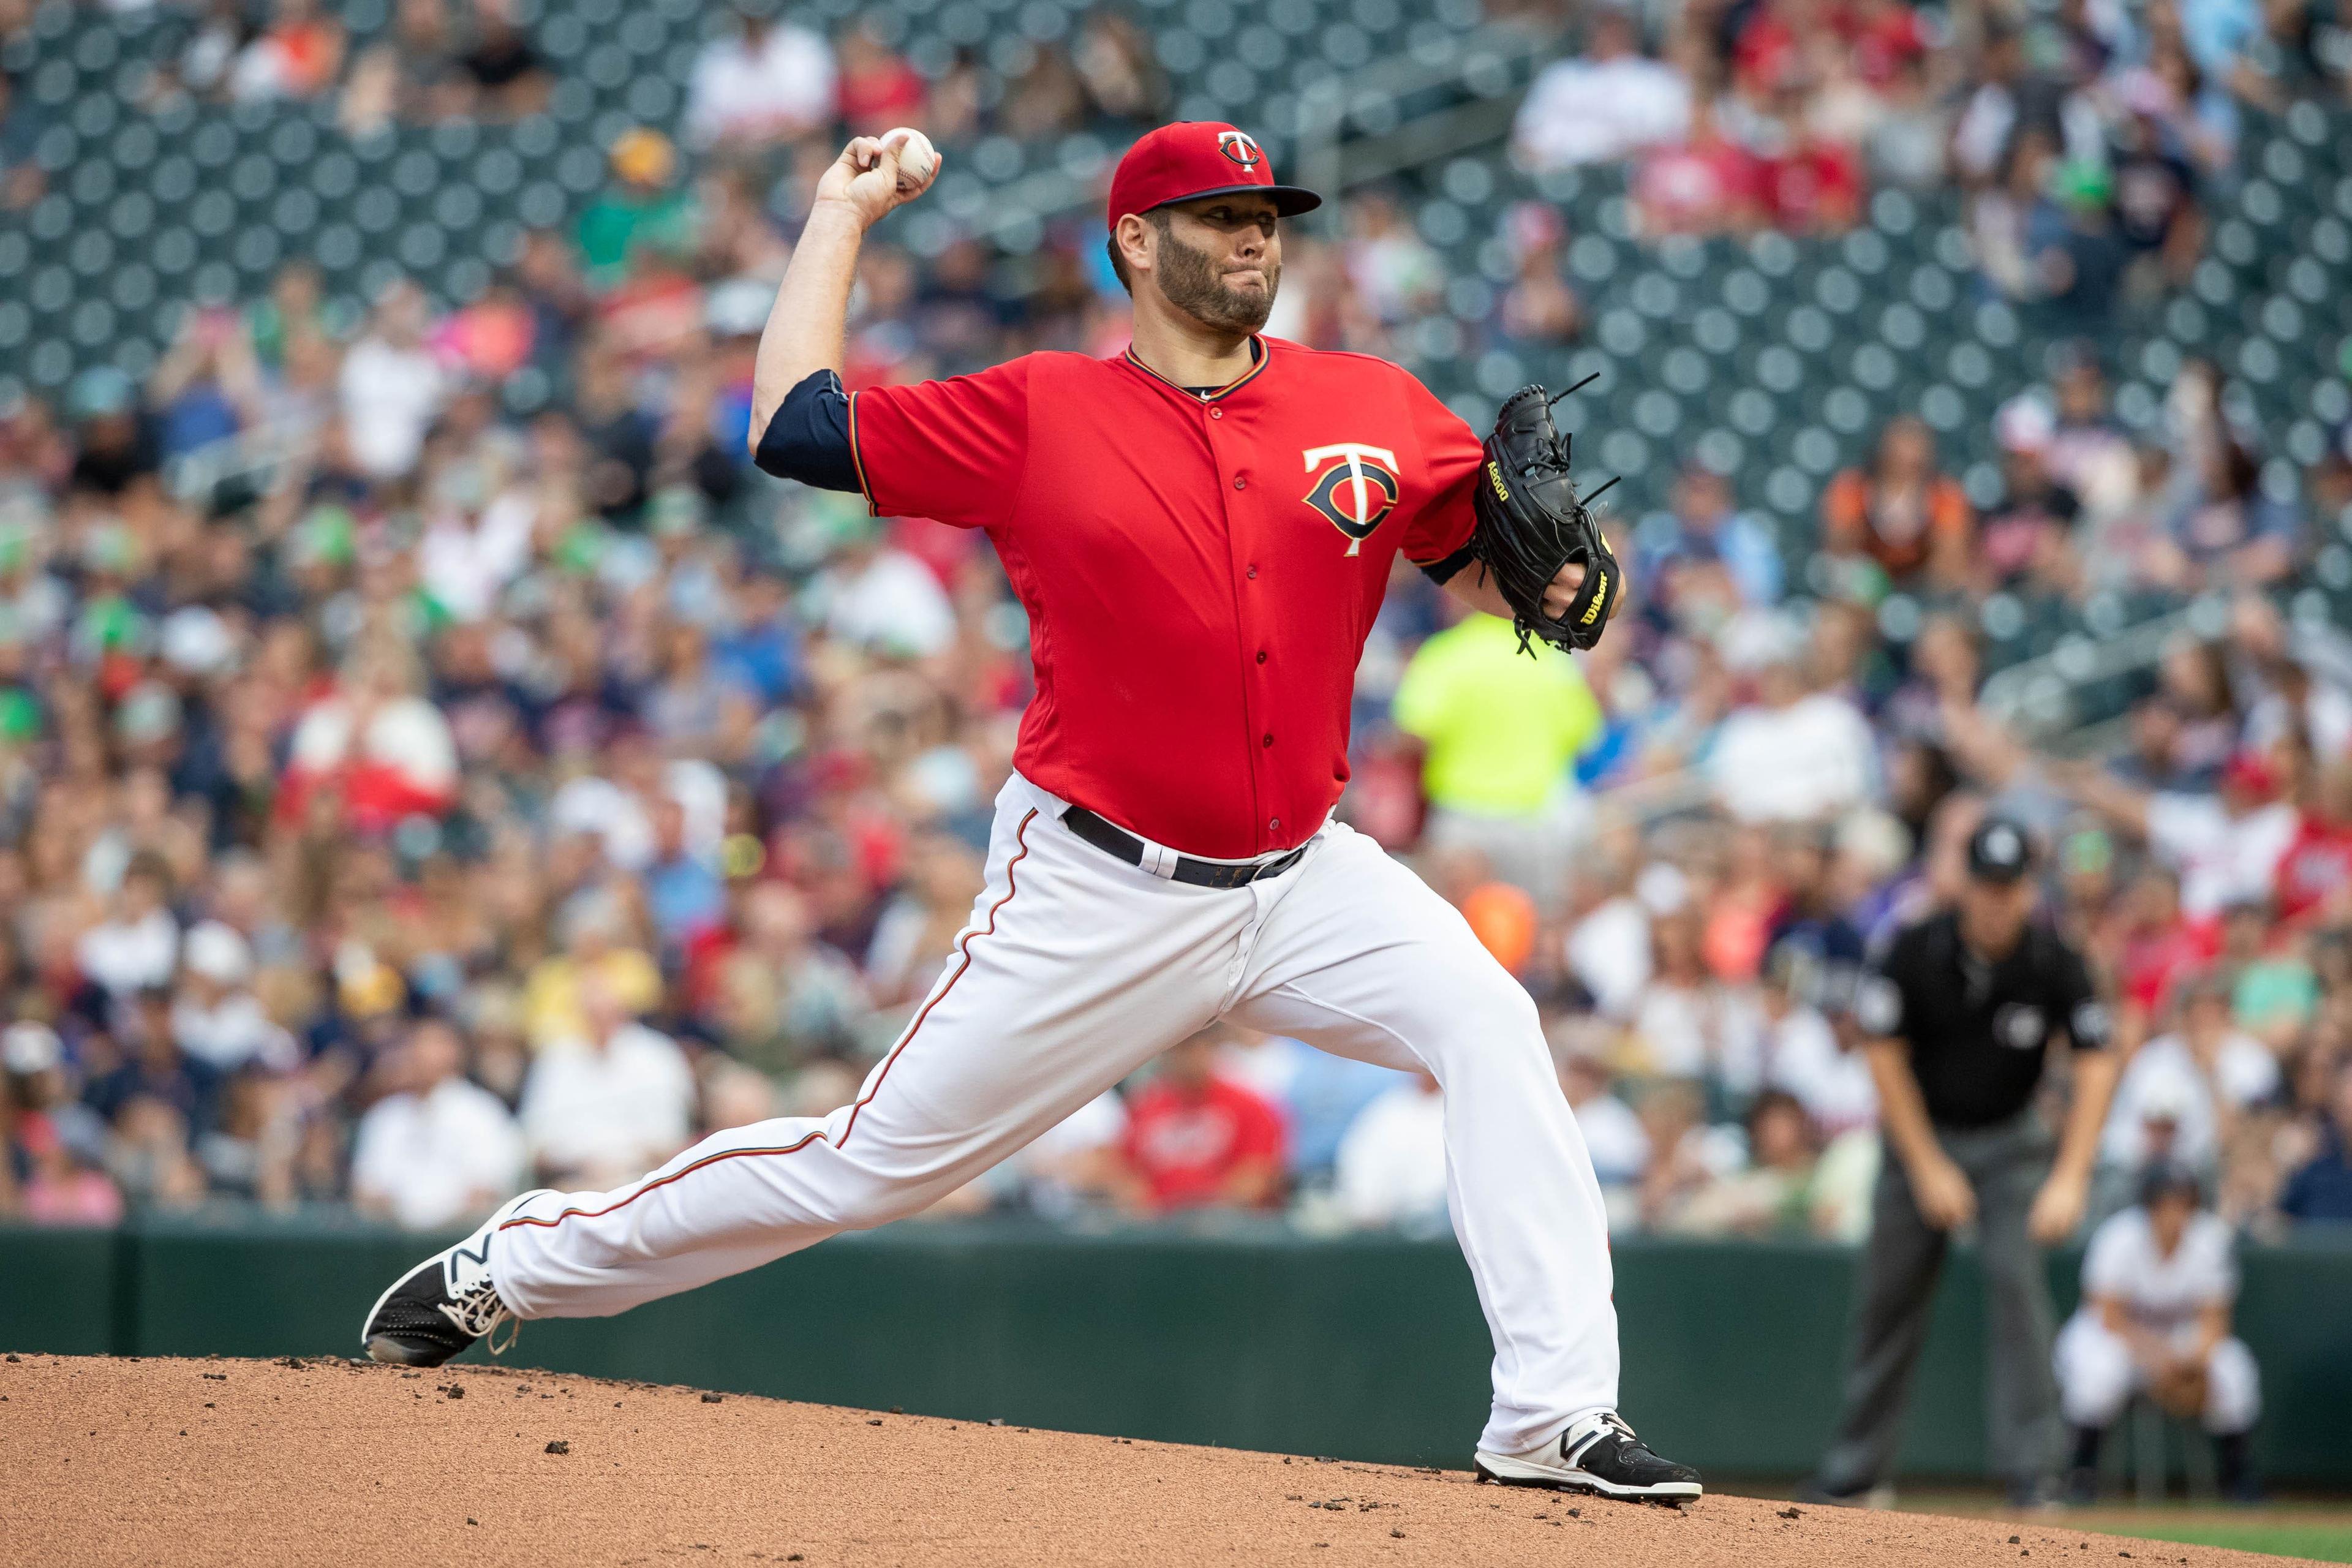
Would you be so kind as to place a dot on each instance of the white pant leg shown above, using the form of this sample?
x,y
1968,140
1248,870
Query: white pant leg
x,y
1074,971
1355,954
2233,1389
2097,1374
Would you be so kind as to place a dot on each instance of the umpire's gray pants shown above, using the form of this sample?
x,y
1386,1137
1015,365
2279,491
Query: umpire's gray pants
x,y
2006,1164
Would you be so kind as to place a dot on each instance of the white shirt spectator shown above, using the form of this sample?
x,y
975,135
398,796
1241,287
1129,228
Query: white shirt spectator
x,y
1796,764
2221,858
759,88
608,1114
124,956
1694,1031
1609,952
1833,1086
430,1159
1601,110
232,1031
390,395
466,562
1391,1168
891,602
1614,1137
2164,1078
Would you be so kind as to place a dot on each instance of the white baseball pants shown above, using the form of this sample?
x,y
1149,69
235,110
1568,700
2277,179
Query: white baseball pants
x,y
2098,1376
1075,970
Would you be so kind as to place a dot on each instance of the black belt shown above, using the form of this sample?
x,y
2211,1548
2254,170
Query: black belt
x,y
1120,844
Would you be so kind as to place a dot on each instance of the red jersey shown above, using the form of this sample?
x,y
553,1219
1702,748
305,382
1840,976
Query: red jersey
x,y
1200,571
1186,1146
2315,868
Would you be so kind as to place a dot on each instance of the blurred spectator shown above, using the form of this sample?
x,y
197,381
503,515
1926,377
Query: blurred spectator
x,y
436,1149
392,384
2158,1286
2320,1189
1798,756
1704,560
643,214
509,78
22,180
1196,1139
606,1104
2191,1086
1908,520
2226,845
1391,1169
764,82
298,55
1772,1194
1499,732
137,946
1603,105
63,1186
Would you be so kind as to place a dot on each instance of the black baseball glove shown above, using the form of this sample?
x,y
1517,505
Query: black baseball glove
x,y
1531,522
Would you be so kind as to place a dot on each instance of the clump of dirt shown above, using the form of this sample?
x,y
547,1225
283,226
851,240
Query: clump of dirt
x,y
322,1460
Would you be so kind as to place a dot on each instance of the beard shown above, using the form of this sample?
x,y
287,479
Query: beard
x,y
1194,285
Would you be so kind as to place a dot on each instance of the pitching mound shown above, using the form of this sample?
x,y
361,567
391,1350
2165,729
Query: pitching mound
x,y
336,1462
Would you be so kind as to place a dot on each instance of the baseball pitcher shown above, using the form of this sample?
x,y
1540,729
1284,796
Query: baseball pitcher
x,y
1200,529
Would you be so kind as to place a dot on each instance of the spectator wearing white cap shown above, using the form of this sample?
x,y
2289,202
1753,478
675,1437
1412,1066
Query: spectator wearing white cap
x,y
215,1014
2181,1091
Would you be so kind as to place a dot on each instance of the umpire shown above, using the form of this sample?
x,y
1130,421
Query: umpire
x,y
1957,1017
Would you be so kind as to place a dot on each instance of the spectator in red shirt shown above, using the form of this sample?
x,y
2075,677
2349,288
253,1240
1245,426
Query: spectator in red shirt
x,y
1706,185
1198,1140
2315,875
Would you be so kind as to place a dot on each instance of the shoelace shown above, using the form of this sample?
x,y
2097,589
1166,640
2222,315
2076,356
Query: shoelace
x,y
480,1313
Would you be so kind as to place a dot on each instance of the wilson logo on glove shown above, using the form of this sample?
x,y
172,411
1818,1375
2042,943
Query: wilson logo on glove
x,y
1532,526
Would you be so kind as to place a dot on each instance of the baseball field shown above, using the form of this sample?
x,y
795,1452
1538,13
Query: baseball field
x,y
251,1462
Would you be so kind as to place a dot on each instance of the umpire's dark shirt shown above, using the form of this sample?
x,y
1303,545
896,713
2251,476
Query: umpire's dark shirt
x,y
1977,1030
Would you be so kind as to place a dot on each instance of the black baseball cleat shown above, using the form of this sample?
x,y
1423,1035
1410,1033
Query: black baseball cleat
x,y
444,1304
1599,1455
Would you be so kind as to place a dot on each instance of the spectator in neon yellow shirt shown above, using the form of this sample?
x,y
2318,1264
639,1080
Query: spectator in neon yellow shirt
x,y
1499,734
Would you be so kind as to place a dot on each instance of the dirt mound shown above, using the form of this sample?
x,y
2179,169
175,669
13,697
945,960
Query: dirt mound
x,y
246,1462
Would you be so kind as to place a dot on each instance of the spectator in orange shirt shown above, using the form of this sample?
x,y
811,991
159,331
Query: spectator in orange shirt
x,y
1901,513
1198,1140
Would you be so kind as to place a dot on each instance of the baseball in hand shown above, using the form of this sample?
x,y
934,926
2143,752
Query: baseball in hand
x,y
918,159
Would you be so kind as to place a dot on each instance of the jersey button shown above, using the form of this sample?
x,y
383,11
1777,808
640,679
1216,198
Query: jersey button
x,y
1261,656
1253,572
1240,483
1269,740
1216,414
1274,825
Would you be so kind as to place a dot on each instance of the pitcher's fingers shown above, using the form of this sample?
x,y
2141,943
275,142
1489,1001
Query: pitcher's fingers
x,y
863,152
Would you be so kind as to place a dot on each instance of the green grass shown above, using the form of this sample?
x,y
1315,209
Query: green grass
x,y
2284,1536
2321,1531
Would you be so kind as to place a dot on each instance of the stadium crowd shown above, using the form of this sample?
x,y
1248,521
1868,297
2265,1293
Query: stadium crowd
x,y
432,759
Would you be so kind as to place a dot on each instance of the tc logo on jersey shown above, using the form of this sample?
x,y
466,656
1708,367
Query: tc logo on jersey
x,y
1355,487
1241,147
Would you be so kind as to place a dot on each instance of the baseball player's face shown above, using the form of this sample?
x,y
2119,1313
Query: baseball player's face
x,y
1220,260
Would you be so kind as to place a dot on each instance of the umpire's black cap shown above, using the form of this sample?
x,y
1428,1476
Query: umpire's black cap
x,y
2000,850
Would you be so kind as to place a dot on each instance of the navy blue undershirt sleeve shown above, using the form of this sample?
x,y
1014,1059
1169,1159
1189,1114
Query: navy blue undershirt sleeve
x,y
808,439
1444,570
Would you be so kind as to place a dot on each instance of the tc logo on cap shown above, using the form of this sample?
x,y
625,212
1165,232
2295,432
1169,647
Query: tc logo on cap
x,y
1241,147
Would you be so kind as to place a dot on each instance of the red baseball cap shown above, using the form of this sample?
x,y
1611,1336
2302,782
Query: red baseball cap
x,y
1198,158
